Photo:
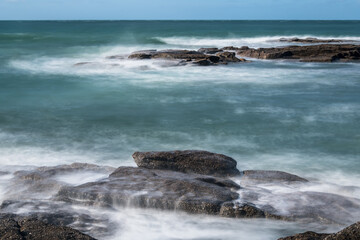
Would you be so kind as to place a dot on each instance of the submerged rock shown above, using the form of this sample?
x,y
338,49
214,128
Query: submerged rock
x,y
203,57
313,53
270,176
28,229
209,50
159,189
350,233
190,161
314,40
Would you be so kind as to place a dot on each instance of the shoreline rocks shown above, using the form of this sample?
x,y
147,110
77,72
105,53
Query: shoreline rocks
x,y
189,161
315,40
21,228
349,233
202,57
310,53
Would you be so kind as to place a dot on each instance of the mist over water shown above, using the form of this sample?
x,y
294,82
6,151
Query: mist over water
x,y
301,118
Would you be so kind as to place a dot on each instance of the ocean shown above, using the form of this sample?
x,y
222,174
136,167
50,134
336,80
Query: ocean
x,y
302,118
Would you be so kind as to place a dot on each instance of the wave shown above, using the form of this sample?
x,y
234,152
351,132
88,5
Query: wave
x,y
261,41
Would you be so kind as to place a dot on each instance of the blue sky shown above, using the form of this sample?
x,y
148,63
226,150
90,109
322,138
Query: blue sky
x,y
179,9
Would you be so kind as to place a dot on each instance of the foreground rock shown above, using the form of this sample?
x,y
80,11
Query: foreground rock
x,y
190,161
159,189
28,229
270,176
313,53
315,40
350,233
204,57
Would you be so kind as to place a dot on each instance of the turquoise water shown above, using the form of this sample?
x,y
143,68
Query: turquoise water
x,y
297,117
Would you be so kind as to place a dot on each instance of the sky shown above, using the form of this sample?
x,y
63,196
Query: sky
x,y
179,9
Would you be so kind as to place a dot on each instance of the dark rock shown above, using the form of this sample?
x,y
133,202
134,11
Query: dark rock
x,y
228,57
202,57
350,233
235,210
82,63
159,189
31,229
190,161
209,50
230,48
203,62
2,173
314,40
270,176
306,236
313,53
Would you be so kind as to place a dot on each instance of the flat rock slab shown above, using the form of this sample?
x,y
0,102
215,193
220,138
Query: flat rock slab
x,y
189,161
350,233
31,229
315,40
313,53
159,189
270,176
203,57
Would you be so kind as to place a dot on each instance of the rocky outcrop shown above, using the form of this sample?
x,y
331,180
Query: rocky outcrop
x,y
159,189
236,210
29,229
203,57
350,233
270,176
190,161
312,53
314,40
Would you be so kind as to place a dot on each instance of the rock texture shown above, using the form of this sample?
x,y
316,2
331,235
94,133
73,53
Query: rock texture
x,y
159,189
350,233
312,53
32,229
314,40
203,57
190,161
270,176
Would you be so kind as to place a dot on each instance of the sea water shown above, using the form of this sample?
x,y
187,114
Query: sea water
x,y
301,118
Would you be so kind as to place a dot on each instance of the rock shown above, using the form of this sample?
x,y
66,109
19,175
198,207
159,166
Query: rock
x,y
190,161
270,176
235,210
230,48
2,173
28,229
203,62
228,57
350,233
209,50
314,40
202,57
312,53
159,189
307,236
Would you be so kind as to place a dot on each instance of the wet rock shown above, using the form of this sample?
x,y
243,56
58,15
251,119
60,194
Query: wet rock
x,y
228,57
203,62
350,233
314,40
189,161
28,228
42,173
270,176
159,189
209,50
82,63
230,48
307,236
312,53
2,173
203,57
236,210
